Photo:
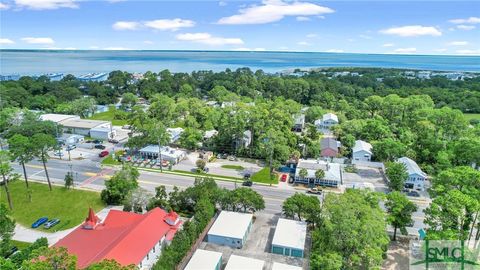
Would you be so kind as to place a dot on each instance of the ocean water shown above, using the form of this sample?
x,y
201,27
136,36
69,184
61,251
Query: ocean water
x,y
36,62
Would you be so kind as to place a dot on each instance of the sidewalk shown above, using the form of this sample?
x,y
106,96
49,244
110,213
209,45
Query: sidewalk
x,y
29,235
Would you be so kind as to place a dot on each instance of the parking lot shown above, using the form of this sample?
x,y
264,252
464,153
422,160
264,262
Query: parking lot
x,y
258,244
216,168
365,176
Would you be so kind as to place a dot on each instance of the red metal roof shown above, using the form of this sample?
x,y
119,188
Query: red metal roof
x,y
123,236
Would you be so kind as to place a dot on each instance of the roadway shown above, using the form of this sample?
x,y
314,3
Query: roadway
x,y
88,174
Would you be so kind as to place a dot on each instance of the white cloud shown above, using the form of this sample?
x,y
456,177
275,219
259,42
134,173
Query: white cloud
x,y
4,6
222,3
125,25
148,42
471,20
441,50
161,24
475,52
250,49
458,43
303,18
116,1
304,43
406,50
172,25
94,47
38,40
46,4
311,35
465,27
388,45
334,51
412,31
274,10
206,38
6,41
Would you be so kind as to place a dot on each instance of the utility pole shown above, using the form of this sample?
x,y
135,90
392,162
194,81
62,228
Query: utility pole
x,y
160,155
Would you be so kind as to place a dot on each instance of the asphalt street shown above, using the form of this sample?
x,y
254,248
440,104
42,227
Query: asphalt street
x,y
89,174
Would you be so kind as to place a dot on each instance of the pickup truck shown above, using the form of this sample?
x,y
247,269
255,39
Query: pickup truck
x,y
315,191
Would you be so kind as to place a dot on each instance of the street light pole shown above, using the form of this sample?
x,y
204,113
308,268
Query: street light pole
x,y
160,155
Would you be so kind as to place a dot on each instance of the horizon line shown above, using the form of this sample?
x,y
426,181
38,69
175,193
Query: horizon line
x,y
239,51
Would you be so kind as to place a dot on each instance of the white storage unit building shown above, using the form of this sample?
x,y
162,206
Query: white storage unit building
x,y
289,237
205,260
281,266
230,229
242,263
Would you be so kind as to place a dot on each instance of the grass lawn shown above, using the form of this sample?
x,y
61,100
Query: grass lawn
x,y
110,161
20,245
109,116
470,116
263,176
233,167
70,206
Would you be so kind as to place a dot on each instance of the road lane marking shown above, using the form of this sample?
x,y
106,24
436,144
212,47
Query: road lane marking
x,y
33,174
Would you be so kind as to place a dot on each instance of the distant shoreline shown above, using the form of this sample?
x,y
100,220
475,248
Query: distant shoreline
x,y
79,62
238,51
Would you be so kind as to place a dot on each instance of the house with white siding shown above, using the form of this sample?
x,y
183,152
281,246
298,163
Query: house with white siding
x,y
416,177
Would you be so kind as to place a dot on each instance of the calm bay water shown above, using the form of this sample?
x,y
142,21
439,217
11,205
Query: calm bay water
x,y
35,62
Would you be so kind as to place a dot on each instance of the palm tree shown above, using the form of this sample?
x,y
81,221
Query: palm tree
x,y
319,174
303,173
43,143
21,151
7,173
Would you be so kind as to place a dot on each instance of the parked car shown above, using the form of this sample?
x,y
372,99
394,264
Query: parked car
x,y
113,141
103,154
97,141
284,177
70,147
247,175
247,183
127,127
100,146
51,223
232,158
58,154
315,191
413,193
165,163
12,251
291,180
39,222
206,169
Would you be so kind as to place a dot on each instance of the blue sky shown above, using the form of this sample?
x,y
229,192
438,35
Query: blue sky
x,y
416,27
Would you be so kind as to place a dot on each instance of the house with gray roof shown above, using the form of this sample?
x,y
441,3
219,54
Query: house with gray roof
x,y
416,177
299,123
362,151
332,177
327,121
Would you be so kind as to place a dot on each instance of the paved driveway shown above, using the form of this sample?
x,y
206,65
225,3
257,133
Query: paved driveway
x,y
29,235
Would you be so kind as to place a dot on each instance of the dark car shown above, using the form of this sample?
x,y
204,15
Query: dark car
x,y
206,169
100,146
70,147
12,251
413,193
247,175
51,223
39,222
113,141
97,141
103,154
247,183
